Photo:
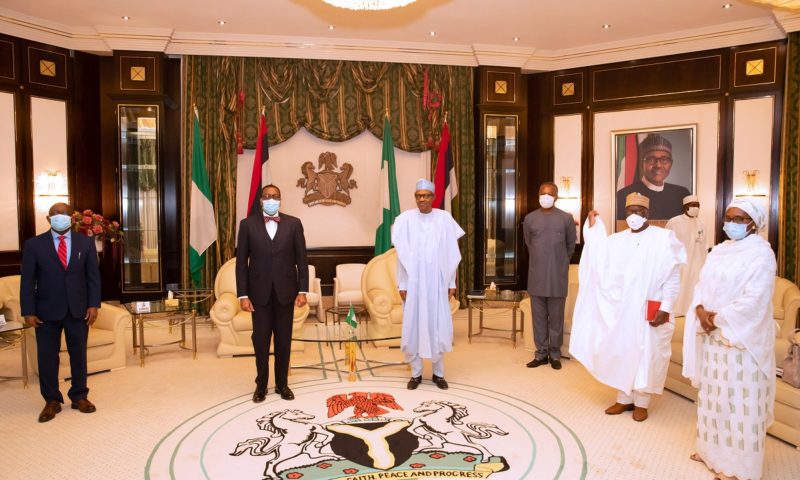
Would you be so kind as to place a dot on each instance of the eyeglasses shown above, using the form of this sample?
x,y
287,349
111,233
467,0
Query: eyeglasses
x,y
422,196
270,196
737,219
651,160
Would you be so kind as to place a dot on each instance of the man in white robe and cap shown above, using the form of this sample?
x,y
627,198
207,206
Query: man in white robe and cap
x,y
729,346
692,233
622,322
426,240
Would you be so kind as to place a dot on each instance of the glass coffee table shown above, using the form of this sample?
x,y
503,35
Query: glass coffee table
x,y
495,300
349,343
185,312
10,334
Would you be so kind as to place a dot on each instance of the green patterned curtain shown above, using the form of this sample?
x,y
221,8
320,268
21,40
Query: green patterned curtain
x,y
788,233
335,101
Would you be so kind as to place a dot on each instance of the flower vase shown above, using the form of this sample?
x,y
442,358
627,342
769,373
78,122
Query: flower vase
x,y
98,245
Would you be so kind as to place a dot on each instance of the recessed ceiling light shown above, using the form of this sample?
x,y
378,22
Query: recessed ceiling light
x,y
221,22
516,39
606,26
432,33
727,6
331,27
126,18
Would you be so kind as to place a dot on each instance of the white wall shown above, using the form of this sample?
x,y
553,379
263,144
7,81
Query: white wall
x,y
333,225
567,148
49,134
752,146
9,214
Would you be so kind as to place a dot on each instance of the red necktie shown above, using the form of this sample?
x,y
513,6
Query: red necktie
x,y
276,219
62,251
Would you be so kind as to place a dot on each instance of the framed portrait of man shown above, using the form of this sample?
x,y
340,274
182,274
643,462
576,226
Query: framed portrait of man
x,y
659,164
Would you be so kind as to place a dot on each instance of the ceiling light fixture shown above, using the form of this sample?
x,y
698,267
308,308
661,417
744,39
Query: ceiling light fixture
x,y
369,4
126,18
221,22
432,33
331,27
606,26
789,4
516,39
727,6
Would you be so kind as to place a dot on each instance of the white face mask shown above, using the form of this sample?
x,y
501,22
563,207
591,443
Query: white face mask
x,y
547,201
635,222
693,211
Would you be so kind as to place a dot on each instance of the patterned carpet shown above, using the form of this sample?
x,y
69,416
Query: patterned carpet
x,y
184,419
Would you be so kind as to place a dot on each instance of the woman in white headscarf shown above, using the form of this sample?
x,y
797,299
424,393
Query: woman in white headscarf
x,y
728,346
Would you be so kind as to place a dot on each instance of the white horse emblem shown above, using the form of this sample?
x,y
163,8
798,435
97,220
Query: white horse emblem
x,y
441,427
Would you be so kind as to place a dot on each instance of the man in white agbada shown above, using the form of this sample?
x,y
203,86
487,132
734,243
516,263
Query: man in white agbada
x,y
692,233
426,240
619,276
729,346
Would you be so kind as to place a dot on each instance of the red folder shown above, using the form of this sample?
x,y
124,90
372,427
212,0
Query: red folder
x,y
652,308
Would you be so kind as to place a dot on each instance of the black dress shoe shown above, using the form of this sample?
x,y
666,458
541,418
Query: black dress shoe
x,y
414,383
51,408
286,393
537,362
84,406
440,382
259,395
555,363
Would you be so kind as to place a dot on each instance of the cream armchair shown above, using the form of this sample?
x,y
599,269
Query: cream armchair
x,y
235,325
314,295
572,295
347,284
106,343
382,299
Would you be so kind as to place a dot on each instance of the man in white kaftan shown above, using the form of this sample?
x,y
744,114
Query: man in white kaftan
x,y
692,233
729,346
619,276
426,240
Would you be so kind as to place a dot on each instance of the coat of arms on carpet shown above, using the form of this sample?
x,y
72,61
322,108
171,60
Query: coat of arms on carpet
x,y
326,186
371,436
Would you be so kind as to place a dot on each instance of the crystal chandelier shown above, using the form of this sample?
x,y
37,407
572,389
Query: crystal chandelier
x,y
369,4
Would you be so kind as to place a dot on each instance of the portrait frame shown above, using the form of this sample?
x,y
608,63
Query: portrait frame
x,y
629,171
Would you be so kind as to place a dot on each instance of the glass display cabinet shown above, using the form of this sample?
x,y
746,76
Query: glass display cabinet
x,y
139,138
500,196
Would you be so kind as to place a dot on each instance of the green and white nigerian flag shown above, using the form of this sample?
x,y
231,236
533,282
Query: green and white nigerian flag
x,y
202,223
351,318
390,201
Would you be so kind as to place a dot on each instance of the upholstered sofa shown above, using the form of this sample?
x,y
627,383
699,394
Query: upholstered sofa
x,y
572,294
106,343
314,295
382,299
235,325
785,302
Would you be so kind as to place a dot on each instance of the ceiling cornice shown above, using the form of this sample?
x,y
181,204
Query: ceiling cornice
x,y
105,39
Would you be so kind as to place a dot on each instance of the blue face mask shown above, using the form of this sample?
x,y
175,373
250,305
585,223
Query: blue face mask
x,y
271,206
60,222
735,231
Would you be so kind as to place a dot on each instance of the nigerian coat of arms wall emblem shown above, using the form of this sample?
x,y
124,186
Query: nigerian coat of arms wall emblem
x,y
326,185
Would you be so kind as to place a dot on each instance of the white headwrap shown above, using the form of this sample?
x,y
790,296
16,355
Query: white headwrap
x,y
423,184
690,199
753,207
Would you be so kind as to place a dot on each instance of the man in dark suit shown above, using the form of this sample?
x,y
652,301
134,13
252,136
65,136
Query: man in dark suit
x,y
60,290
271,279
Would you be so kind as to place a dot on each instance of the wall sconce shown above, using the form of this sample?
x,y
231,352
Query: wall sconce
x,y
51,183
566,187
491,132
750,182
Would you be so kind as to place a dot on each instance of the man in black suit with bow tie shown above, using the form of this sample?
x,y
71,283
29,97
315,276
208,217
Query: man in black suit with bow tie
x,y
271,279
60,291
